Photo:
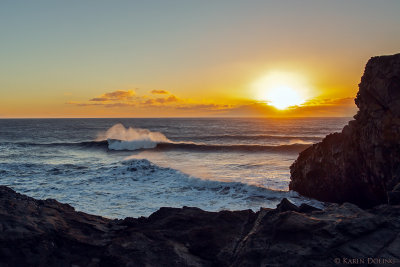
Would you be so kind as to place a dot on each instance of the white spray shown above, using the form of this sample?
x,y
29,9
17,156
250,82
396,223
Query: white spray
x,y
121,138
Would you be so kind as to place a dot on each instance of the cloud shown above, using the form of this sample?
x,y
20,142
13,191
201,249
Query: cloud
x,y
107,105
254,109
170,99
317,107
121,98
160,92
327,107
330,101
337,107
99,99
161,101
114,105
205,107
115,96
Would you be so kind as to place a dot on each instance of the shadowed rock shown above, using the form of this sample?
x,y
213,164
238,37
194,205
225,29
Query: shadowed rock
x,y
362,163
48,233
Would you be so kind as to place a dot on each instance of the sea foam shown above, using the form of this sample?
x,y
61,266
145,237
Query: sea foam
x,y
135,187
121,138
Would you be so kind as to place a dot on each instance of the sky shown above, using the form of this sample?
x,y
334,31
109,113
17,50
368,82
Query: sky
x,y
189,58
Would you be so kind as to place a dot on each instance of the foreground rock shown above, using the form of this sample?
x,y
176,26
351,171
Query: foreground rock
x,y
48,233
362,163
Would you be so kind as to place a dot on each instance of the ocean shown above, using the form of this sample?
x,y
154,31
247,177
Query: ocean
x,y
121,168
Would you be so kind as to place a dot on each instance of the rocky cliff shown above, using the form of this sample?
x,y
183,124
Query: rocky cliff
x,y
48,233
362,163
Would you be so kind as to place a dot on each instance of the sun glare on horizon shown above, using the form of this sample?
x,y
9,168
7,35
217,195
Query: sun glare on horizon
x,y
283,97
282,89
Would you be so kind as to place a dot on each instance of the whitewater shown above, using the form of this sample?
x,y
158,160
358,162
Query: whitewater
x,y
131,167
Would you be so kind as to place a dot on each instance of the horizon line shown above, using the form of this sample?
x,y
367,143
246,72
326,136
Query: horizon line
x,y
210,117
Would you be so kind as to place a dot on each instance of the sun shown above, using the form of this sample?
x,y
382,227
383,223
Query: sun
x,y
283,97
282,89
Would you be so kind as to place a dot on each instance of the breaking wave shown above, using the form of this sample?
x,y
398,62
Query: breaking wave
x,y
120,138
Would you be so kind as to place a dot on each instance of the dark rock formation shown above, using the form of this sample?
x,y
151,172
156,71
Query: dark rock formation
x,y
361,164
394,195
48,233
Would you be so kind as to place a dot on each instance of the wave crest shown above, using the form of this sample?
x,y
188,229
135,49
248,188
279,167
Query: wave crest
x,y
121,138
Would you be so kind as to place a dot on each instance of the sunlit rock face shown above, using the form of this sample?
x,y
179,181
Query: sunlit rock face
x,y
362,163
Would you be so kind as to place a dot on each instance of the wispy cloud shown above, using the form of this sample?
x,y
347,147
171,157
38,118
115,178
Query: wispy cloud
x,y
206,107
161,101
327,107
159,92
115,96
329,101
107,105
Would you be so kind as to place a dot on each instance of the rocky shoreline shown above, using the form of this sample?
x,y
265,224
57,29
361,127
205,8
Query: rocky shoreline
x,y
48,233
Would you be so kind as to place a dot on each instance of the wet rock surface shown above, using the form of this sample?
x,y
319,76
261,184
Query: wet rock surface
x,y
361,164
48,233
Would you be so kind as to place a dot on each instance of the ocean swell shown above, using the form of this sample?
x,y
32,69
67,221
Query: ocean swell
x,y
114,144
141,144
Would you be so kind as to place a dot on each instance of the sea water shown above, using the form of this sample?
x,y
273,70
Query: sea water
x,y
132,167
